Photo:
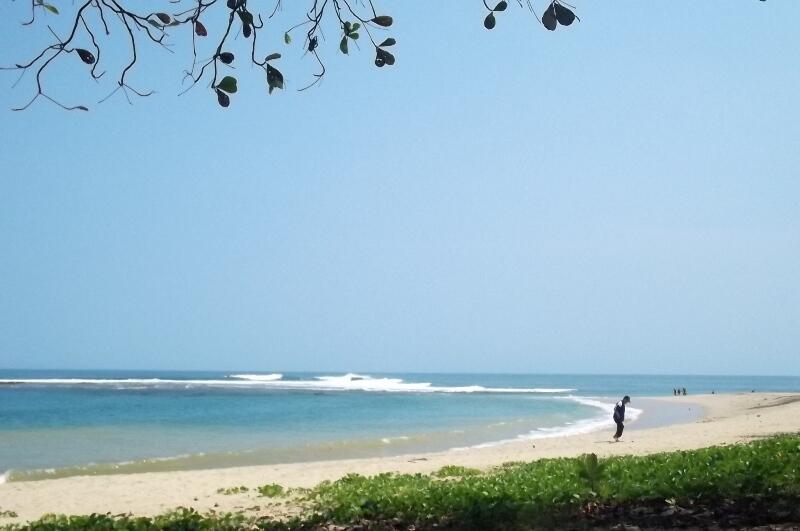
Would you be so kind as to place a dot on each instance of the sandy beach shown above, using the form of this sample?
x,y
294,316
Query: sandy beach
x,y
726,419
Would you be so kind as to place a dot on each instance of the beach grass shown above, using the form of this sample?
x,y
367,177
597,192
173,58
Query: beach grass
x,y
762,473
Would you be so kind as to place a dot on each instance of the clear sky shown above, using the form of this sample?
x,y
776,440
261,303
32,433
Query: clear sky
x,y
622,196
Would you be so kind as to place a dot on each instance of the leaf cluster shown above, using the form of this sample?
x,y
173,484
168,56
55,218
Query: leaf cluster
x,y
271,490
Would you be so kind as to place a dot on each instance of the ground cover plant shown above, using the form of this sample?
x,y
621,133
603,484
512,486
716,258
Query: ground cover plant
x,y
233,490
752,483
557,488
271,490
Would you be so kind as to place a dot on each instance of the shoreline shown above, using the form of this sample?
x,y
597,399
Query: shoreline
x,y
657,411
726,418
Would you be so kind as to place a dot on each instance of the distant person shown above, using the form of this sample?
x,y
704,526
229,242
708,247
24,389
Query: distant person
x,y
619,416
684,391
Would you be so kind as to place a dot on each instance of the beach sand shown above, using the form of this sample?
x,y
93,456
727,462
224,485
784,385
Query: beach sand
x,y
726,418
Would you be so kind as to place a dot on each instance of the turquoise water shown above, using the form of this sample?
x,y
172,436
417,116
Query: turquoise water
x,y
57,423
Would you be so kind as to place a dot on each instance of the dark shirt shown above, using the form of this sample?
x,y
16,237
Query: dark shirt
x,y
619,412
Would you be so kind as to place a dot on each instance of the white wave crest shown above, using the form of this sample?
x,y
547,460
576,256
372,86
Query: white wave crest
x,y
347,382
258,377
389,440
601,421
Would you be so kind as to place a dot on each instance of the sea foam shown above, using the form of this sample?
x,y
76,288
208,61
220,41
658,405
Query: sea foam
x,y
258,377
578,427
346,382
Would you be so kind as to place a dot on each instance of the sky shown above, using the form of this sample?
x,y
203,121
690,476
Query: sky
x,y
619,196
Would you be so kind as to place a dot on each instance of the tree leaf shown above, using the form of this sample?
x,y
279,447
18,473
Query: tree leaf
x,y
343,45
82,108
272,57
564,15
155,24
287,38
50,8
489,22
85,55
199,29
226,57
501,6
549,18
388,42
354,36
164,18
384,56
355,26
383,20
223,99
247,18
228,84
274,78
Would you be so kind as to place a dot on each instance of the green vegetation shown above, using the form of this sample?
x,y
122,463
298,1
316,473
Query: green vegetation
x,y
752,478
8,514
451,471
233,490
557,488
271,490
181,519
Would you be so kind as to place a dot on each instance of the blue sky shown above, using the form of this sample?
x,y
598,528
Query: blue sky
x,y
622,196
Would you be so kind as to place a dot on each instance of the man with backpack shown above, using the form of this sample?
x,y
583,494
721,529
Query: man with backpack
x,y
619,416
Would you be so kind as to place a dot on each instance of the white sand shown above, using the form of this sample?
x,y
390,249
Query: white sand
x,y
728,419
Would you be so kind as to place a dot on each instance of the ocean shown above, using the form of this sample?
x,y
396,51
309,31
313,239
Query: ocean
x,y
63,423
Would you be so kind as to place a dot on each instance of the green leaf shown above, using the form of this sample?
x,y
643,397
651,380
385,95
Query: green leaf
x,y
489,22
287,38
383,20
85,55
228,84
274,78
223,99
272,57
155,24
354,36
343,45
383,57
388,42
163,17
501,6
50,8
247,18
355,26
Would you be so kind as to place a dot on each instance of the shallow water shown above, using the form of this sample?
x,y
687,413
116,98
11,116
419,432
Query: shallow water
x,y
58,423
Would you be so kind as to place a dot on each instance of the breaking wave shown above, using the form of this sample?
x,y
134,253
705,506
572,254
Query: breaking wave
x,y
586,425
347,382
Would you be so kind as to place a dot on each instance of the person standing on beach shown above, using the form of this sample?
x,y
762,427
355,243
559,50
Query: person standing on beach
x,y
619,416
